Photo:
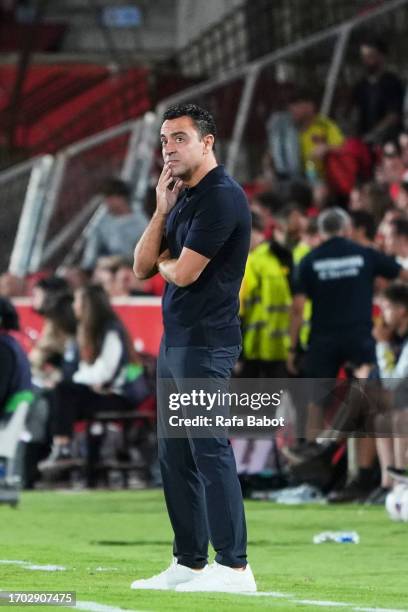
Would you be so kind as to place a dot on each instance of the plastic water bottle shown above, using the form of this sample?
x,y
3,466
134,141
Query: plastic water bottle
x,y
340,537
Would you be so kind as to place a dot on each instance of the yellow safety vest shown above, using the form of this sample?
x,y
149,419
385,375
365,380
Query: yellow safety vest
x,y
298,253
265,303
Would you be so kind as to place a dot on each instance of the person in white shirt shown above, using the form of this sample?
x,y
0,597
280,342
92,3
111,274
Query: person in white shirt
x,y
102,380
392,358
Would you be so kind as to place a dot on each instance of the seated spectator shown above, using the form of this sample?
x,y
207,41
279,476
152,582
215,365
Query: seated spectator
x,y
126,283
75,276
396,240
109,376
105,271
318,135
15,375
372,198
118,230
378,96
56,342
392,356
46,288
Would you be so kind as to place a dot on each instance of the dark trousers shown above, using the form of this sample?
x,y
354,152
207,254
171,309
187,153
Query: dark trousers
x,y
200,481
71,402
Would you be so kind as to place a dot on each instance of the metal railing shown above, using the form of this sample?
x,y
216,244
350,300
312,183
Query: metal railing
x,y
255,89
256,28
14,184
319,56
49,200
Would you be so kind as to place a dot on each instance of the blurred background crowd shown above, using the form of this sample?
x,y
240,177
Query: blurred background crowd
x,y
324,182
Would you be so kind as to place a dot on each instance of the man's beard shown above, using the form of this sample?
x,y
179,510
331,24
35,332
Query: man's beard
x,y
184,175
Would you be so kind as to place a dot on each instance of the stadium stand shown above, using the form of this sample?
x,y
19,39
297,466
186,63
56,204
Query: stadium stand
x,y
85,122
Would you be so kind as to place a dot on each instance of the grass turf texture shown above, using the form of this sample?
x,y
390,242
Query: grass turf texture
x,y
128,534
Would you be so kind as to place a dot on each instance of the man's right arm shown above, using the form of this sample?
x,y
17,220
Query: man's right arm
x,y
147,250
149,247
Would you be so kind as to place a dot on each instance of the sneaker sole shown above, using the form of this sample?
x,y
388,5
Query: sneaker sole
x,y
224,590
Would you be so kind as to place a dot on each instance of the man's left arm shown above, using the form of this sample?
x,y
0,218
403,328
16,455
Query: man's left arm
x,y
182,271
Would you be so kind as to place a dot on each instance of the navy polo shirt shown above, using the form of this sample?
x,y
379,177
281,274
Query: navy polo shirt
x,y
338,276
212,219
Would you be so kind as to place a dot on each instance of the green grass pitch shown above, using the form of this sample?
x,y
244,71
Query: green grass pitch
x,y
107,539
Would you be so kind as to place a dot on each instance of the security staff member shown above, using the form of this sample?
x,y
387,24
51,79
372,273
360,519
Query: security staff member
x,y
338,277
204,218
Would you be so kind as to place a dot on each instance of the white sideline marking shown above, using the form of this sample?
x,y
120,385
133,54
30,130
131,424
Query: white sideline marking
x,y
30,566
94,606
12,562
322,603
46,568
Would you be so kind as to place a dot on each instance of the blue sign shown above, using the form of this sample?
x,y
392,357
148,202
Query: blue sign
x,y
121,16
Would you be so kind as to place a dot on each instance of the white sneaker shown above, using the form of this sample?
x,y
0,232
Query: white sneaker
x,y
174,575
222,579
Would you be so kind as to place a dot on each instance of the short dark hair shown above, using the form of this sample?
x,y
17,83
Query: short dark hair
x,y
397,293
364,219
400,226
375,42
300,193
202,119
303,94
114,186
53,284
269,200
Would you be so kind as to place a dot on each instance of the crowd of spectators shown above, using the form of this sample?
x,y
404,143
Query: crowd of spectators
x,y
324,295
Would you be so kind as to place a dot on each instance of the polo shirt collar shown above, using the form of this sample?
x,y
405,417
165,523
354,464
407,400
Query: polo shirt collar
x,y
211,177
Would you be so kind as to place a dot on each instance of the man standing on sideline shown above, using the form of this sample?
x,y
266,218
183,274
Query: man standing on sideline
x,y
198,239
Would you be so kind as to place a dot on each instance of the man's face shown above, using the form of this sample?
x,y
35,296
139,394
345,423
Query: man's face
x,y
182,146
117,205
302,111
371,58
393,314
296,224
37,298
